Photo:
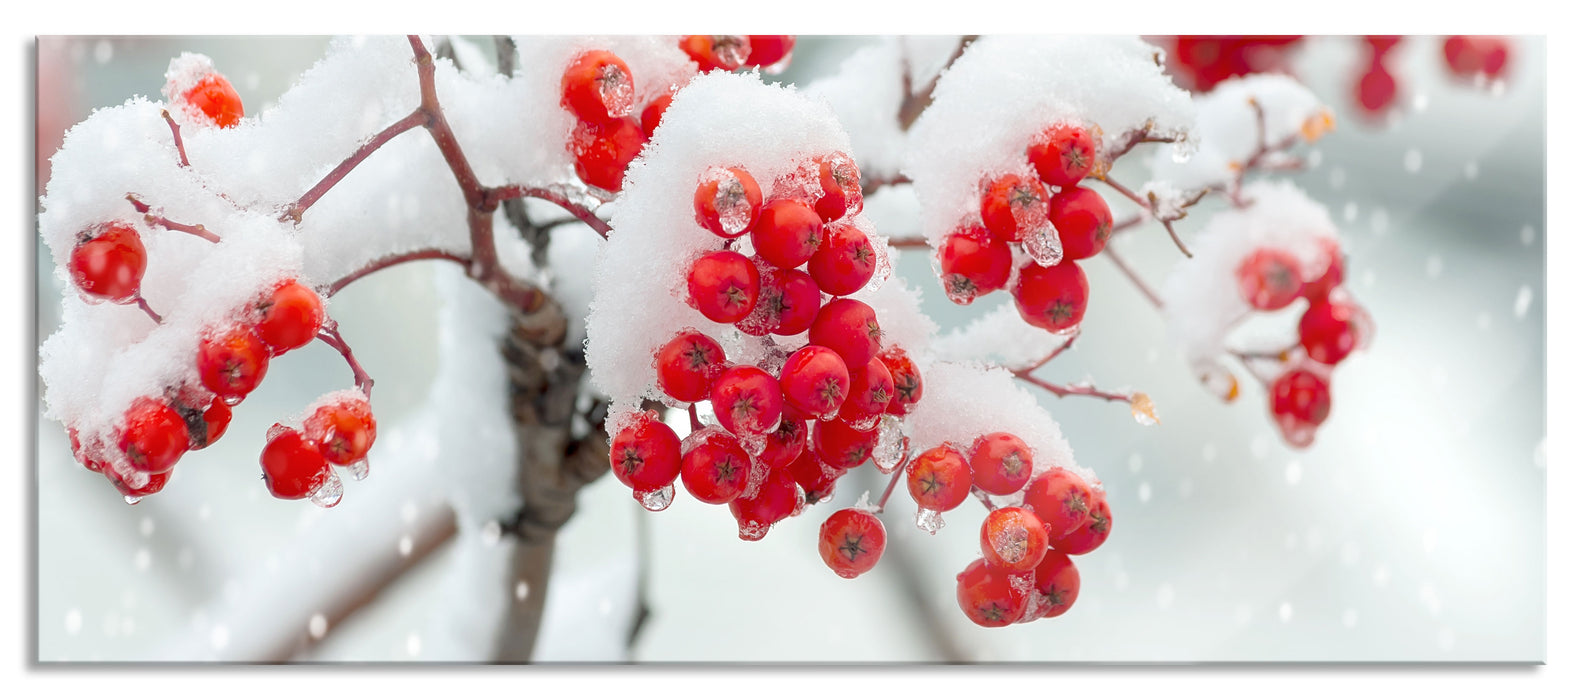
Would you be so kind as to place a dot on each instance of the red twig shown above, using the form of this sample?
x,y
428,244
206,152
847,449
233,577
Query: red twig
x,y
295,211
157,220
1063,391
175,132
895,478
1137,281
1153,210
983,498
1052,355
917,242
331,335
692,413
143,304
392,261
558,196
1130,139
873,184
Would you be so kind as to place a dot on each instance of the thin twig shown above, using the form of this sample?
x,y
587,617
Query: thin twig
x,y
391,261
1052,355
917,242
143,304
331,335
1063,391
1152,206
294,212
895,478
158,220
1137,281
557,196
175,133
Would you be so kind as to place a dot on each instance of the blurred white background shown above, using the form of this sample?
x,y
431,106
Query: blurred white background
x,y
1412,530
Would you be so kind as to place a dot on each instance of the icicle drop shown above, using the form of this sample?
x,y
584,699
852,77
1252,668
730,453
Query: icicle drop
x,y
929,521
1143,409
357,470
657,499
752,531
132,500
890,450
730,199
328,494
1043,244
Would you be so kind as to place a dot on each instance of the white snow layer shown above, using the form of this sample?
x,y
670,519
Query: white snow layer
x,y
1227,128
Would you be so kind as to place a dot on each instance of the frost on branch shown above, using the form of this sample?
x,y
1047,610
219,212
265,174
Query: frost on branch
x,y
1202,299
1006,89
1228,128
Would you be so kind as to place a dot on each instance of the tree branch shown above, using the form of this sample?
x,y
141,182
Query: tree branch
x,y
294,212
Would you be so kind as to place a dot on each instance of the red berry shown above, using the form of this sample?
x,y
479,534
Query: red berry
x,y
597,87
1083,220
1063,155
815,381
768,51
816,478
603,150
1269,279
841,446
216,418
1327,333
1055,586
844,261
787,233
851,541
214,97
153,436
788,301
688,365
89,456
108,262
293,466
776,500
1013,539
1001,463
723,286
989,597
939,479
1301,396
842,185
646,455
1381,44
232,363
872,387
1091,533
1469,56
344,428
908,380
848,327
1052,298
715,470
746,400
1375,89
788,442
972,263
716,52
1014,205
1317,290
1060,499
156,482
290,317
727,201
654,112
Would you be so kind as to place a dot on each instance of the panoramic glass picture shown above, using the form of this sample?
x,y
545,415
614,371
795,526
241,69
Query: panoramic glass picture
x,y
790,349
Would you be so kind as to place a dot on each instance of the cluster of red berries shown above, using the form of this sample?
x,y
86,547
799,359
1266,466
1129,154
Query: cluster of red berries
x,y
1054,230
781,441
1027,547
1332,327
1206,61
1477,57
1376,89
598,89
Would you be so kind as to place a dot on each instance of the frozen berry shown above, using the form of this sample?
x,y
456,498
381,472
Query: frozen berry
x,y
872,387
787,233
1327,333
1083,219
597,87
1269,279
293,466
654,112
727,201
844,261
769,51
723,286
816,478
746,400
788,301
290,317
344,428
1300,396
1063,155
1001,463
153,436
972,263
788,442
1014,205
1060,499
1013,539
646,455
155,483
989,597
815,381
688,365
908,380
216,418
108,262
1091,533
1055,585
848,327
232,363
776,500
214,98
715,470
1317,290
716,52
851,541
602,151
1052,298
939,479
842,185
842,446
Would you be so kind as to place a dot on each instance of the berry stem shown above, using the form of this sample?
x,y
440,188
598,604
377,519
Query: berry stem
x,y
557,195
874,183
175,133
1137,281
904,243
1130,139
1063,391
392,261
162,222
143,304
331,335
1053,354
895,478
692,413
983,498
294,212
1152,208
